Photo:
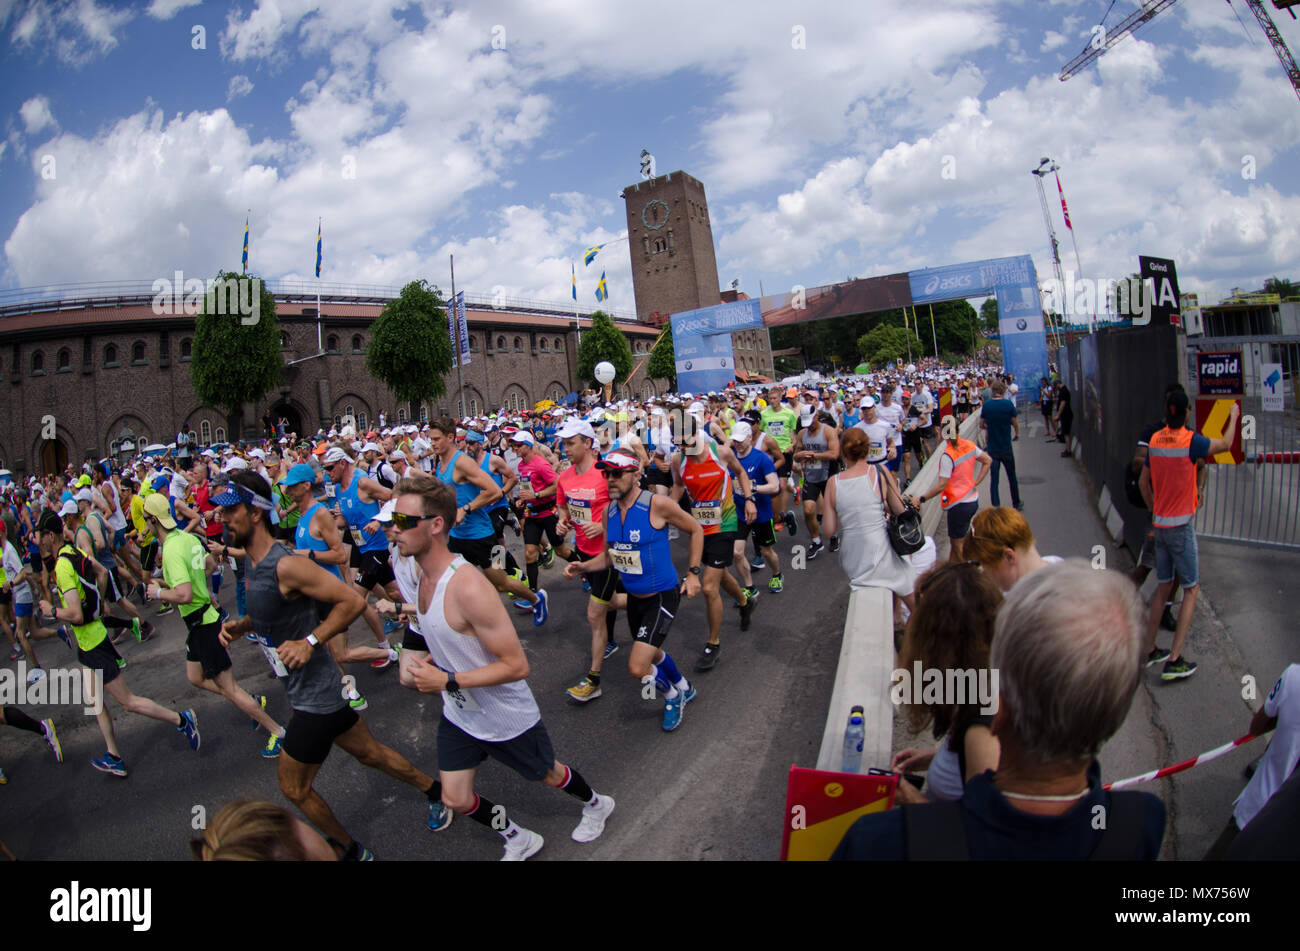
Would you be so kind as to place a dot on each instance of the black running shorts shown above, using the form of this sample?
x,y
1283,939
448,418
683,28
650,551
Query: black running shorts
x,y
375,569
535,528
764,533
529,754
309,736
477,551
203,647
650,618
102,657
604,584
719,550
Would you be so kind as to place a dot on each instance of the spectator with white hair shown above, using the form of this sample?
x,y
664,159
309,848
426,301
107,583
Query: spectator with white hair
x,y
1068,648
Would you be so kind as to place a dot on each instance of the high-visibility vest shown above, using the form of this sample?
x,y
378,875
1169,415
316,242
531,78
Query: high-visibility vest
x,y
1173,477
963,471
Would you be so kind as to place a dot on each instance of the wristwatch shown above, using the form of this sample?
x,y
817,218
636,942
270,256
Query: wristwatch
x,y
452,686
695,570
312,640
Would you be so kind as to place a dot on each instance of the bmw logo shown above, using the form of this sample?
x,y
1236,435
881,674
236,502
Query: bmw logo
x,y
724,364
1021,324
688,364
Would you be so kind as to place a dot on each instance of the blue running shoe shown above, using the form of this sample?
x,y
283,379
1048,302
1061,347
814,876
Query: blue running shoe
x,y
674,708
390,626
272,748
539,609
108,763
190,727
610,649
439,817
65,636
523,604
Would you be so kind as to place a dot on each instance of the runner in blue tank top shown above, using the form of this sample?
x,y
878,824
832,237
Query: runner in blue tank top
x,y
637,547
317,537
472,534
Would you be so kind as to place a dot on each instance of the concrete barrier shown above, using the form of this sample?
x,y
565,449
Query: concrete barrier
x,y
867,657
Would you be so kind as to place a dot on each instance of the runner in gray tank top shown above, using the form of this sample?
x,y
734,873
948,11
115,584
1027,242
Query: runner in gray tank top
x,y
815,447
281,590
474,659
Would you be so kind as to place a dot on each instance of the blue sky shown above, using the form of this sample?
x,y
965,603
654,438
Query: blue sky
x,y
834,141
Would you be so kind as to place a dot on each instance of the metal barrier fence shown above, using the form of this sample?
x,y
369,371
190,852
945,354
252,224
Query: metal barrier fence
x,y
1258,501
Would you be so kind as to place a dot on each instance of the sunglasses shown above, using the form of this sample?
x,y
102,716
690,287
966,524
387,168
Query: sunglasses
x,y
616,473
402,522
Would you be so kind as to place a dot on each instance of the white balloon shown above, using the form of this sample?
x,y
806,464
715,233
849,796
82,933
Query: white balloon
x,y
605,372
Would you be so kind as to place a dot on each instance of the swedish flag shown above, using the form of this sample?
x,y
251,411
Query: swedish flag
x,y
245,245
591,254
602,291
573,272
318,247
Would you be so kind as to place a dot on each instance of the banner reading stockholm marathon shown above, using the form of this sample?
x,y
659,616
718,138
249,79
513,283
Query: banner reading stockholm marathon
x,y
702,343
1020,314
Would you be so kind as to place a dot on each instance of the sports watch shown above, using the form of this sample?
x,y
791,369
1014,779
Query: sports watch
x,y
452,686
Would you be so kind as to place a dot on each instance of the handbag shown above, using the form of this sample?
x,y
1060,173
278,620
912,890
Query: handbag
x,y
906,535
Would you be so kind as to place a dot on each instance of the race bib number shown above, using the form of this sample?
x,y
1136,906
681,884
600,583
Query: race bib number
x,y
626,561
580,511
272,657
776,427
707,513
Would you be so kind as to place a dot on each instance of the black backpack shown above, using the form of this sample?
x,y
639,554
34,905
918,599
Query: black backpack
x,y
92,607
1133,488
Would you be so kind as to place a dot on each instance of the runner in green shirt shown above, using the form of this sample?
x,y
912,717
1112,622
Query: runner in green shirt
x,y
781,422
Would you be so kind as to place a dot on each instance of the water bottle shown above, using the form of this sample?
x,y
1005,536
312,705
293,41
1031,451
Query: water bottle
x,y
854,734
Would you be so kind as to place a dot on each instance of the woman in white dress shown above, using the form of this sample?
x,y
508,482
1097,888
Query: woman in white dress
x,y
855,508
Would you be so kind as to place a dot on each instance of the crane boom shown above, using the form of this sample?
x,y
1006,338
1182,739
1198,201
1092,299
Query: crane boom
x,y
1279,45
1138,18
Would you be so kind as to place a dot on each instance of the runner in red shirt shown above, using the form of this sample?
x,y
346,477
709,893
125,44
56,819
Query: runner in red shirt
x,y
582,498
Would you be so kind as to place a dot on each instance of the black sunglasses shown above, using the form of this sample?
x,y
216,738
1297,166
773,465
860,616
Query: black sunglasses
x,y
402,522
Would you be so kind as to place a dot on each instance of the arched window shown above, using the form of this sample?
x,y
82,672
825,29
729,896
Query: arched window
x,y
401,414
347,411
356,343
205,432
220,434
284,339
65,359
473,406
544,345
555,394
501,343
110,354
559,343
187,348
338,422
424,412
473,344
332,343
361,422
519,344
38,362
137,352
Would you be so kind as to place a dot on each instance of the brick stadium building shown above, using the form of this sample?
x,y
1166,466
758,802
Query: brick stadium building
x,y
94,364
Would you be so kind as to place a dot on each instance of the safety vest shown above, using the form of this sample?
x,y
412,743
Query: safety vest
x,y
1173,477
962,480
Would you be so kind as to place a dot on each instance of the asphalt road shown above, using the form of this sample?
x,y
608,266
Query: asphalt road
x,y
715,788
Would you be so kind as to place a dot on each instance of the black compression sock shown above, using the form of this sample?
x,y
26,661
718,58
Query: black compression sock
x,y
15,717
115,622
530,569
511,564
577,787
434,792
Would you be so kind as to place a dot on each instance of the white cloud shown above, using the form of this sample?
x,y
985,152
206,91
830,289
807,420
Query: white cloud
x,y
239,87
166,9
76,30
36,114
1053,40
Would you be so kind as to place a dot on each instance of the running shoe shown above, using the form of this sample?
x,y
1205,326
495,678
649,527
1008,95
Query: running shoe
x,y
108,763
65,636
814,549
584,690
135,629
358,703
115,634
121,663
593,820
539,609
52,738
548,558
380,664
261,702
709,658
757,563
222,615
835,542
16,652
674,708
751,592
1178,669
147,631
790,525
251,636
524,845
439,816
272,748
166,609
357,852
1157,655
190,727
611,649
746,612
523,604
36,674
1167,619
673,533
776,584
391,625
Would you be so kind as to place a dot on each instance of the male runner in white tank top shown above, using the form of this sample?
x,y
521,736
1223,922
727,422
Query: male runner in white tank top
x,y
474,659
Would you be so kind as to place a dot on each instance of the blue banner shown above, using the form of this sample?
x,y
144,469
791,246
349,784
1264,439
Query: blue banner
x,y
972,279
704,363
718,319
456,319
1020,323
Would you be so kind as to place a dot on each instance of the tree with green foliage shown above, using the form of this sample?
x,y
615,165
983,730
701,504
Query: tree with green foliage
x,y
410,349
235,356
989,314
663,360
604,341
886,344
1283,287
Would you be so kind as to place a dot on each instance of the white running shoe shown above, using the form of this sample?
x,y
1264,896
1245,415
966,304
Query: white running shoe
x,y
525,845
593,820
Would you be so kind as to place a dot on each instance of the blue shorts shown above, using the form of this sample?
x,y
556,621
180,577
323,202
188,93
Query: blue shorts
x,y
893,464
22,610
959,518
119,539
1176,555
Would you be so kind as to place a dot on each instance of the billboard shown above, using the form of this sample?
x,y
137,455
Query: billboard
x,y
718,319
1164,281
865,296
704,362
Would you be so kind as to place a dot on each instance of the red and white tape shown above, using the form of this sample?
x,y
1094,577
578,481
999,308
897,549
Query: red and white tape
x,y
1184,765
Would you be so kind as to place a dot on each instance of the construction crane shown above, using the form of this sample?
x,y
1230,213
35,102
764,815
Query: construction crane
x,y
1150,9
